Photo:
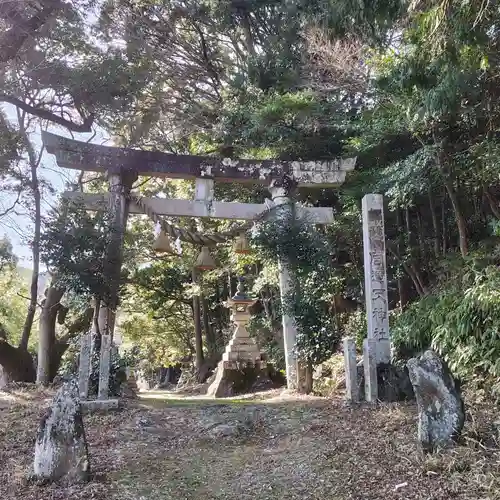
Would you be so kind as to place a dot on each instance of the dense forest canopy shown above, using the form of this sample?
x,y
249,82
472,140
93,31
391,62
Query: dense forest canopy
x,y
409,88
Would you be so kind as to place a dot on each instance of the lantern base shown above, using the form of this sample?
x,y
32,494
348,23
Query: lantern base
x,y
236,377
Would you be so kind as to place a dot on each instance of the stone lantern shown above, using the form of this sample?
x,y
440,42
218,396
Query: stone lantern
x,y
241,361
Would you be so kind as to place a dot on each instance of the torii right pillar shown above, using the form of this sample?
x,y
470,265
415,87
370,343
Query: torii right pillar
x,y
281,192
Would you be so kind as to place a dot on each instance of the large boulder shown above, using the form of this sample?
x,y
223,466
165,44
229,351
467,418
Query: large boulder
x,y
61,448
441,413
393,383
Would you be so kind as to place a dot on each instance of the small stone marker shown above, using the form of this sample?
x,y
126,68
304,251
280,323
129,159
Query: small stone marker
x,y
351,372
61,448
370,369
441,412
104,366
84,365
375,275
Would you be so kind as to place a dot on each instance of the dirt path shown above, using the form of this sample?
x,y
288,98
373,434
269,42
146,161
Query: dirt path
x,y
166,447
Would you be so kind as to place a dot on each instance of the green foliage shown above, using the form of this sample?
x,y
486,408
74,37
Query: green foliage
x,y
355,327
239,79
461,321
305,251
13,289
74,244
284,235
160,340
7,258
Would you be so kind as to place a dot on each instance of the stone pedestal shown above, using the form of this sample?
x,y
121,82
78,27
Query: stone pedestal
x,y
242,348
239,367
234,377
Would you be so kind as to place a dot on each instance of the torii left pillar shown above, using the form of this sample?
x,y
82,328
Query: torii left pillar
x,y
120,185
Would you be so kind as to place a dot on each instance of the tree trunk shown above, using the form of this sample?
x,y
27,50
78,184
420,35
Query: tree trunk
x,y
434,222
494,206
416,282
409,234
47,333
197,327
309,377
403,296
442,163
459,218
35,246
443,225
56,354
419,278
17,363
402,292
209,333
420,235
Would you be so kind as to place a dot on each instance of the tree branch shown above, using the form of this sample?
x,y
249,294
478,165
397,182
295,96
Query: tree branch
x,y
85,126
9,209
12,41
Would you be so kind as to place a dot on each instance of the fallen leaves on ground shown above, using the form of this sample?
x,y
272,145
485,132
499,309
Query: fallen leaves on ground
x,y
277,447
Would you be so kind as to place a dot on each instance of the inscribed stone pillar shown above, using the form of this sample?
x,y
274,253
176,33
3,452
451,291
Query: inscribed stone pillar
x,y
85,364
280,192
375,275
351,370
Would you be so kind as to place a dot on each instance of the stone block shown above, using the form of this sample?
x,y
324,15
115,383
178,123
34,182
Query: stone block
x,y
241,341
241,356
99,405
441,413
393,383
229,381
61,447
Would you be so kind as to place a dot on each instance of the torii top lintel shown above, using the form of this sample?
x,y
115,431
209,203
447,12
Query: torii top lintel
x,y
93,157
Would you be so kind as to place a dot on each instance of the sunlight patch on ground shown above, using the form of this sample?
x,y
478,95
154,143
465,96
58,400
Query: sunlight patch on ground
x,y
6,397
272,396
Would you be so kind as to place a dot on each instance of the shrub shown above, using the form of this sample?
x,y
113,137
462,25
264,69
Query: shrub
x,y
461,322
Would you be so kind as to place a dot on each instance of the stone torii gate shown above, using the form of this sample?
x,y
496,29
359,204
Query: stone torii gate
x,y
124,165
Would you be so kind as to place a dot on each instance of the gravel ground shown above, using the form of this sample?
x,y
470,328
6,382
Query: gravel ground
x,y
275,446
